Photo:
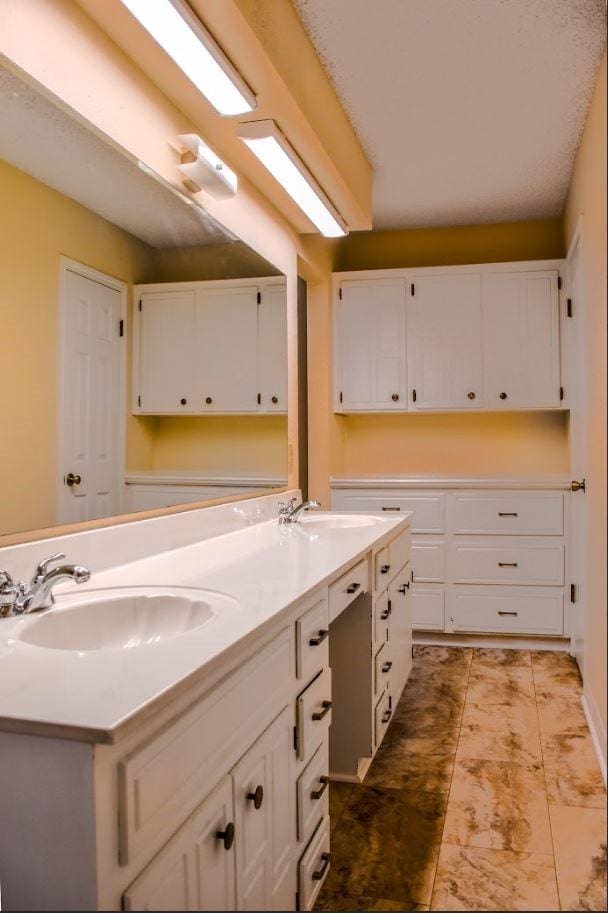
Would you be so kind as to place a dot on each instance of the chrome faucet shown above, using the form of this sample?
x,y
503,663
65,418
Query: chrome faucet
x,y
289,513
22,598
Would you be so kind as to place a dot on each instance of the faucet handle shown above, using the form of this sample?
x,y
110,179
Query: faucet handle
x,y
43,565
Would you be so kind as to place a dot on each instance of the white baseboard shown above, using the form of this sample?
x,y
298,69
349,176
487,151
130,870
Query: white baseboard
x,y
502,641
597,729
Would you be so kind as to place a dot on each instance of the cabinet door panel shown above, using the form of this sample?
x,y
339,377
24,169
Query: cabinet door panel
x,y
521,340
166,352
371,345
226,349
444,333
272,349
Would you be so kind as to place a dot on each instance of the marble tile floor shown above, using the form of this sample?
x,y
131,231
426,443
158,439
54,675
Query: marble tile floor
x,y
485,795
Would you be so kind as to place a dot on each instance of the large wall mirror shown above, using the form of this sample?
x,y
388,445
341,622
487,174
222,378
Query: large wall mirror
x,y
144,347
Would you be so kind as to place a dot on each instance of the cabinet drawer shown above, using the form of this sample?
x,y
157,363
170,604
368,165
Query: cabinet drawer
x,y
506,610
399,552
314,866
313,792
428,610
383,663
348,587
313,714
427,508
508,561
160,782
382,569
382,717
382,613
312,640
428,560
520,513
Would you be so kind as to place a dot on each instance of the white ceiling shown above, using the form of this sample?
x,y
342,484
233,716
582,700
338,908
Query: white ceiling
x,y
470,111
44,141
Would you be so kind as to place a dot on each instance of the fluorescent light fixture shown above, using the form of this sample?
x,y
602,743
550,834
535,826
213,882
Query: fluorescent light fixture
x,y
207,172
273,150
183,37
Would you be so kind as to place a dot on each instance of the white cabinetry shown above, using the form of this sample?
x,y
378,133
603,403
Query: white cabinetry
x,y
448,339
370,332
210,347
444,342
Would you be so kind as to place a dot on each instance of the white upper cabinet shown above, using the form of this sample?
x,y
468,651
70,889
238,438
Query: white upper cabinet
x,y
521,340
272,349
444,341
166,352
226,352
370,346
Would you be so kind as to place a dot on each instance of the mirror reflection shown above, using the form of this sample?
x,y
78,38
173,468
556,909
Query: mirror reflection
x,y
144,346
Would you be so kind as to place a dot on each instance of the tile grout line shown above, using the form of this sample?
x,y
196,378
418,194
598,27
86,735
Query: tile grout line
x,y
542,755
466,689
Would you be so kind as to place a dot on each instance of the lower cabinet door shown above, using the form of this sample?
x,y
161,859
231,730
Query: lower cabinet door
x,y
196,869
314,866
264,808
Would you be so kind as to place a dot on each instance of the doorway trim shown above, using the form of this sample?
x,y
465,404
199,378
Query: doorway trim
x,y
67,265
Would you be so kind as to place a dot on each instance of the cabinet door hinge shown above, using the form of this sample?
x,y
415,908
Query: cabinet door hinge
x,y
559,283
573,592
414,395
412,289
139,400
121,328
340,294
569,307
295,738
561,393
259,298
140,305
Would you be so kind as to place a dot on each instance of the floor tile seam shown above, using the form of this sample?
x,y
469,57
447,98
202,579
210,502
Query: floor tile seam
x,y
542,750
493,849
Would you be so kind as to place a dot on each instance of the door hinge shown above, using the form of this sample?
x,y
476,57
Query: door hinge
x,y
121,328
295,738
569,307
412,289
561,393
414,395
259,298
573,592
341,397
340,294
140,305
559,283
259,399
139,400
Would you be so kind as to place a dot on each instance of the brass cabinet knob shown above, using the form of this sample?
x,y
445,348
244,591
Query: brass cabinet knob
x,y
578,486
72,479
471,395
503,395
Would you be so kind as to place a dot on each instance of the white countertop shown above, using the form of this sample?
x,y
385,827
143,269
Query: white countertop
x,y
266,567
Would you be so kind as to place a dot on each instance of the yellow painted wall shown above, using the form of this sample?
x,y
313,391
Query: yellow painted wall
x,y
587,199
232,260
37,226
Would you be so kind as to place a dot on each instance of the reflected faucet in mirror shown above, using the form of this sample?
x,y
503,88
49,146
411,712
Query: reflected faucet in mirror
x,y
23,598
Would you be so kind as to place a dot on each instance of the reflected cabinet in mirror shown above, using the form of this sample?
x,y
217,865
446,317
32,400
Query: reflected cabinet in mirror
x,y
144,346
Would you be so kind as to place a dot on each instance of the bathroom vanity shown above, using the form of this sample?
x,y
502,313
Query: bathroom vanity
x,y
171,727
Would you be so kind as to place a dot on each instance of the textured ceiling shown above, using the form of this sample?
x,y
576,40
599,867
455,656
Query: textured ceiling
x,y
41,139
470,111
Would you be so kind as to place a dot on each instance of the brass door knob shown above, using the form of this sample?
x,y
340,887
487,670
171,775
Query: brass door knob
x,y
578,486
72,479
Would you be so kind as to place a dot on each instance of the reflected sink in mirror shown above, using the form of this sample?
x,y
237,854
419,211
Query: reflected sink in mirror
x,y
336,521
124,619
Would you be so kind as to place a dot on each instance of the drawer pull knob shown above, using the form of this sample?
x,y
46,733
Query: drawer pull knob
x,y
208,400
274,399
326,705
403,589
317,793
386,613
257,797
508,613
471,395
502,513
503,395
385,568
183,401
315,641
387,666
507,564
386,716
391,508
353,587
227,836
320,873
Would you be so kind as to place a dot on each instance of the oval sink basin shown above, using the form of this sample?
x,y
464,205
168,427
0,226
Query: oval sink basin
x,y
336,521
123,619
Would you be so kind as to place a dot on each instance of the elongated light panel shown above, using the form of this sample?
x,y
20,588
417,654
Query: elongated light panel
x,y
275,153
175,28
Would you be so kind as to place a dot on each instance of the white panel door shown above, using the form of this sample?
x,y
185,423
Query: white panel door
x,y
166,353
371,348
265,820
444,342
226,349
90,406
195,870
521,340
272,349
